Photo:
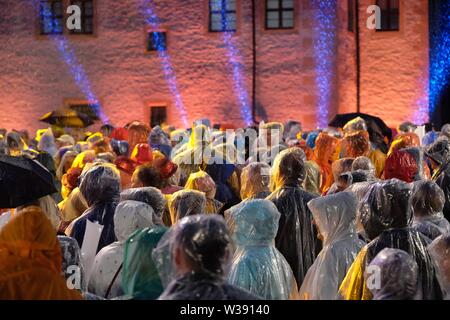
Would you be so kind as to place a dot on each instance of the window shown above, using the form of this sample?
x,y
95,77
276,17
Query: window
x,y
279,14
222,15
156,41
390,15
89,109
51,17
158,115
351,15
87,16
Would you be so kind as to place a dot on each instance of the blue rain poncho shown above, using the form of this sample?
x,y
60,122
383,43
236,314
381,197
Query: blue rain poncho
x,y
258,266
335,217
140,278
106,276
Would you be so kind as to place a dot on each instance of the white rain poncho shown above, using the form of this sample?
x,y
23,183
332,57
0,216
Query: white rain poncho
x,y
106,272
428,202
334,216
439,251
258,266
186,203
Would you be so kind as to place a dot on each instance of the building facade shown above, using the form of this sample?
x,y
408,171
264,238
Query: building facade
x,y
276,60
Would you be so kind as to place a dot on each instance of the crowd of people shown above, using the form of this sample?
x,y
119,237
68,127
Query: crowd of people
x,y
269,212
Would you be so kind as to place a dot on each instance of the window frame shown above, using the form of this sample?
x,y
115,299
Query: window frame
x,y
211,13
83,18
389,10
166,35
70,102
53,17
280,11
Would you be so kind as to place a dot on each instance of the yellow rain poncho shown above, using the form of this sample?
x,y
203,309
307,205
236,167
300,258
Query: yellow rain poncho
x,y
201,181
30,260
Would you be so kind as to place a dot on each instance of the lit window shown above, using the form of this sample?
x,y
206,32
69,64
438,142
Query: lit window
x,y
87,16
51,17
280,14
158,115
222,15
390,15
85,107
156,41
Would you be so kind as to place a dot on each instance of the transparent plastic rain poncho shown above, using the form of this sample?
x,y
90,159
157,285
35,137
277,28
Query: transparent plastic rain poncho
x,y
445,131
106,276
140,278
326,151
255,181
67,158
297,236
439,250
363,163
439,151
204,243
291,129
398,273
312,177
186,203
100,186
428,202
47,143
149,195
404,140
338,168
335,219
258,266
72,265
386,215
30,259
357,124
201,181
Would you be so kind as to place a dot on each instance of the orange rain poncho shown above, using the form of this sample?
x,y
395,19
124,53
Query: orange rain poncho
x,y
326,152
404,140
30,260
356,144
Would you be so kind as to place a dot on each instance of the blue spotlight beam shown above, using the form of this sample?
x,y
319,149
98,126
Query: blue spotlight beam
x,y
75,67
324,49
169,74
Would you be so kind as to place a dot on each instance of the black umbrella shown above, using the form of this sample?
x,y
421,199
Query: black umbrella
x,y
377,128
23,180
67,118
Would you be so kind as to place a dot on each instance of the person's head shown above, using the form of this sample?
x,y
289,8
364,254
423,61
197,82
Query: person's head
x,y
254,179
356,144
404,140
127,168
142,154
341,166
106,130
445,131
186,203
146,176
65,141
201,181
363,163
406,127
398,274
14,142
101,183
326,150
291,129
439,152
357,124
271,134
439,251
200,244
288,169
130,216
427,199
149,195
334,216
386,206
120,148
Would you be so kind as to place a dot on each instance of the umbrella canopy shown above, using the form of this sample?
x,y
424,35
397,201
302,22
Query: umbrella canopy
x,y
377,128
23,180
67,118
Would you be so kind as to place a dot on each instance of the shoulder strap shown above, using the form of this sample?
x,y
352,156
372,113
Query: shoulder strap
x,y
113,280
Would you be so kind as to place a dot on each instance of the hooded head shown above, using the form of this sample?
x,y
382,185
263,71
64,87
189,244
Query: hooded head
x,y
149,195
30,235
399,274
335,216
254,179
201,181
404,140
341,166
71,258
100,184
404,164
288,169
47,143
427,198
439,151
130,216
363,163
439,251
356,144
326,150
357,124
256,223
186,203
386,206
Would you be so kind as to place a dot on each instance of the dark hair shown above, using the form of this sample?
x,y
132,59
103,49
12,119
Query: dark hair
x,y
149,176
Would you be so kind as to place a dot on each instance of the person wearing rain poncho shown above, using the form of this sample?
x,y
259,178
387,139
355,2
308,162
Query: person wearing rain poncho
x,y
106,276
186,203
297,236
47,143
338,168
439,250
30,260
386,216
439,155
326,151
407,165
428,201
100,187
140,278
398,275
193,258
334,217
258,266
201,181
255,181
